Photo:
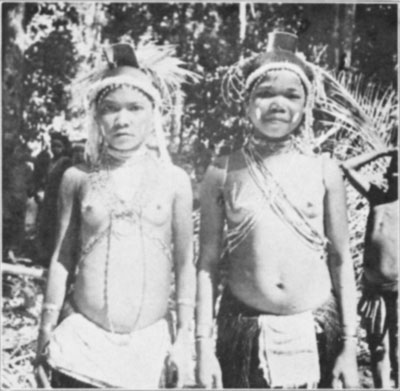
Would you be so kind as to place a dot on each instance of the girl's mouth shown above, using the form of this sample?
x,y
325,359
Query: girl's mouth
x,y
122,134
274,119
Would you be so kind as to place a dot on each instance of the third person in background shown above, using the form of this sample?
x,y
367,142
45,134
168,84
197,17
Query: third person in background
x,y
378,305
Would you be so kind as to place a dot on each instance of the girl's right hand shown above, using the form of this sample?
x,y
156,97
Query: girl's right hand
x,y
42,342
208,370
40,361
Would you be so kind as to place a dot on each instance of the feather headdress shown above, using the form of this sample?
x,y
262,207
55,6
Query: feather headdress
x,y
342,109
153,70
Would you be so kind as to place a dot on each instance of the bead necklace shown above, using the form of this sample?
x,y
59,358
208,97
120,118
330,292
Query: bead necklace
x,y
236,235
272,147
130,210
279,201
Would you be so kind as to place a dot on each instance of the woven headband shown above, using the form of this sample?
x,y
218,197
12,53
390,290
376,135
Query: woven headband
x,y
101,88
264,69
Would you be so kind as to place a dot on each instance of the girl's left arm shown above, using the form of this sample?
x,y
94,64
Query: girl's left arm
x,y
342,272
182,229
185,274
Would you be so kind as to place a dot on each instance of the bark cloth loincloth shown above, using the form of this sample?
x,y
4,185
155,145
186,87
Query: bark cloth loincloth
x,y
82,350
238,343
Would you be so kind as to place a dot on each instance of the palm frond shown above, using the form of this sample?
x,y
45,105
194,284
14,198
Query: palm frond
x,y
363,113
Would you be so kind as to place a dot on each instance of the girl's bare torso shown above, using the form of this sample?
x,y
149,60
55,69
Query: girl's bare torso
x,y
381,244
272,269
123,276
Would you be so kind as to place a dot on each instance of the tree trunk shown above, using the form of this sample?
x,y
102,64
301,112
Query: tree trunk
x,y
336,37
176,125
243,25
91,17
12,87
12,72
347,34
12,111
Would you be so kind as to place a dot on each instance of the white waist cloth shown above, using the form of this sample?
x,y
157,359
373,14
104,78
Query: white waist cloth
x,y
83,350
288,351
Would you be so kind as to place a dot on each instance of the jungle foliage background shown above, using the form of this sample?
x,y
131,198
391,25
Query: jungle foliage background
x,y
46,45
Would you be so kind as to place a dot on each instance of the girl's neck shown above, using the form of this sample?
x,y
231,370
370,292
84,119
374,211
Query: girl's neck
x,y
271,146
115,158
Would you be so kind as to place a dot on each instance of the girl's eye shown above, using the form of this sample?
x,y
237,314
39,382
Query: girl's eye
x,y
293,96
108,109
264,94
134,107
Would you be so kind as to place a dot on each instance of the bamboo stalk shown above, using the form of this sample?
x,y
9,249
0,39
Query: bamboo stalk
x,y
21,358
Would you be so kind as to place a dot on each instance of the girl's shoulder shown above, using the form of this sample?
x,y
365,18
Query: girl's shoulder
x,y
321,168
178,181
78,171
321,160
74,176
177,173
172,174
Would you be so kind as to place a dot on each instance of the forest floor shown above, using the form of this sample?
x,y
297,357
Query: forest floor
x,y
21,306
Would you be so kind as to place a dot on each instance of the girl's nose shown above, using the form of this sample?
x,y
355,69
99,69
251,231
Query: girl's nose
x,y
122,118
276,106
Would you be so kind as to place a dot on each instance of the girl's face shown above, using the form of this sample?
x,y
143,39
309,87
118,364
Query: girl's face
x,y
57,147
276,105
126,117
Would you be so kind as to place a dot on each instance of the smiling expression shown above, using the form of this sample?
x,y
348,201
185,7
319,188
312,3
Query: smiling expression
x,y
125,116
276,104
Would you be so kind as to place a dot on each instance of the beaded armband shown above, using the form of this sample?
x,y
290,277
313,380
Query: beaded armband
x,y
204,331
187,302
51,307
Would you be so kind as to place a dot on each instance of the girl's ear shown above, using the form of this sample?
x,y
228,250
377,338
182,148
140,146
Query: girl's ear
x,y
99,127
247,109
151,140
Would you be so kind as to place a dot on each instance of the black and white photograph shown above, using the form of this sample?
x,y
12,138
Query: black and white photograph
x,y
199,195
